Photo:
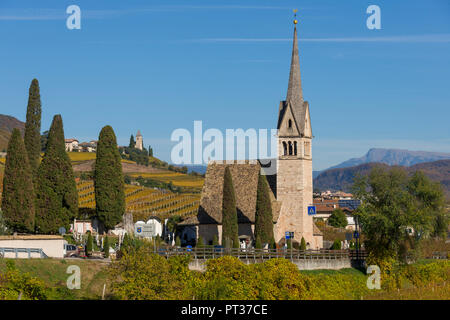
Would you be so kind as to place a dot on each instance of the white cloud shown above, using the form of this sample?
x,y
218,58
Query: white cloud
x,y
432,38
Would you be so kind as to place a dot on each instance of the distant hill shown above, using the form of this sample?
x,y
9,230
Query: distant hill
x,y
393,157
7,124
342,178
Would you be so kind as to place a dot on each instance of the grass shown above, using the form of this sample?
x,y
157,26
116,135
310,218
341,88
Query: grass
x,y
345,271
53,273
432,291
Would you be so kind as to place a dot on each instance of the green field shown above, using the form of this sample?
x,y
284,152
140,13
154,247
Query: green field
x,y
53,273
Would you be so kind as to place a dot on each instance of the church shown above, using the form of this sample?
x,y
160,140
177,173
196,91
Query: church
x,y
291,189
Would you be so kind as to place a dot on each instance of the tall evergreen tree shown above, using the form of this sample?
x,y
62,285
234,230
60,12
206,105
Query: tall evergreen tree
x,y
263,214
108,180
18,191
229,213
56,194
132,144
32,137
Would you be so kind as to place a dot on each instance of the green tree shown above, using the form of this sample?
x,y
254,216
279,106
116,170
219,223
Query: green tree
x,y
132,144
303,244
32,136
229,213
3,226
106,247
263,215
200,242
177,242
89,244
108,180
338,219
150,151
336,245
215,241
392,203
18,190
56,193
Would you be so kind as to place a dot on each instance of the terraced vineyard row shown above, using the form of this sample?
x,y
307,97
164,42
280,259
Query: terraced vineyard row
x,y
145,202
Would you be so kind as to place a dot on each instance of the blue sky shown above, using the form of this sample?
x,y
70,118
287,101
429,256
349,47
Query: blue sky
x,y
159,65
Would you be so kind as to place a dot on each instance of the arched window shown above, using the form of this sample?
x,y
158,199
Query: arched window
x,y
290,148
284,148
290,124
295,148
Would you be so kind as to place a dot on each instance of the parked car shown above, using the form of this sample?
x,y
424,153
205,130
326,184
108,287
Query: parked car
x,y
71,250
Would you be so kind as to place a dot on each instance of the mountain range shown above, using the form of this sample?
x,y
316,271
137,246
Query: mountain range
x,y
392,157
342,178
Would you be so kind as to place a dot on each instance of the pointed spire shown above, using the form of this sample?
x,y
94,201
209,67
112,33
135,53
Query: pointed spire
x,y
294,93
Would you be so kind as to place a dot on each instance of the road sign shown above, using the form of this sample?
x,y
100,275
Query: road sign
x,y
311,210
62,231
356,234
289,235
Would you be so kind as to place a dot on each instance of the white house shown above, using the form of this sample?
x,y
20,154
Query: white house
x,y
71,145
31,246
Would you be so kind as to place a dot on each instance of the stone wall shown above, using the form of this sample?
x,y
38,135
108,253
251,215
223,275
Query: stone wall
x,y
302,264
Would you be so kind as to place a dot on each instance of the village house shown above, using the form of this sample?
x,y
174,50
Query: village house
x,y
71,145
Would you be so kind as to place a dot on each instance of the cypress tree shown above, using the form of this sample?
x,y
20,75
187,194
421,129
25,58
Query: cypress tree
x,y
106,247
215,241
56,194
263,214
108,180
18,191
89,244
33,127
229,213
303,244
132,144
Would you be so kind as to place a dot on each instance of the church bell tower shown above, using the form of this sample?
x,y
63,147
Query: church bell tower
x,y
294,165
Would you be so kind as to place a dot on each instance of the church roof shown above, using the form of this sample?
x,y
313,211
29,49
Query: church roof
x,y
294,96
245,181
139,133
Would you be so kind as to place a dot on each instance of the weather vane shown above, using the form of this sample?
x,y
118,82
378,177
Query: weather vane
x,y
295,16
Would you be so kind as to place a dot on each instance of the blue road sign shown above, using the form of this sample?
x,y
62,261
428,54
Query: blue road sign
x,y
356,234
311,210
287,235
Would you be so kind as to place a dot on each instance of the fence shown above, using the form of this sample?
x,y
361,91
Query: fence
x,y
262,254
16,251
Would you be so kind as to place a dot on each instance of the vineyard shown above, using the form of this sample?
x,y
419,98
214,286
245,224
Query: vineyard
x,y
145,202
178,179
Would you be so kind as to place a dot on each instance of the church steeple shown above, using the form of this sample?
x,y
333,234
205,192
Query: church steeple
x,y
294,94
294,111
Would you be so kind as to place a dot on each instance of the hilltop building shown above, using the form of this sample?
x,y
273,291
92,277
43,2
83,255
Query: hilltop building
x,y
291,187
71,144
139,141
